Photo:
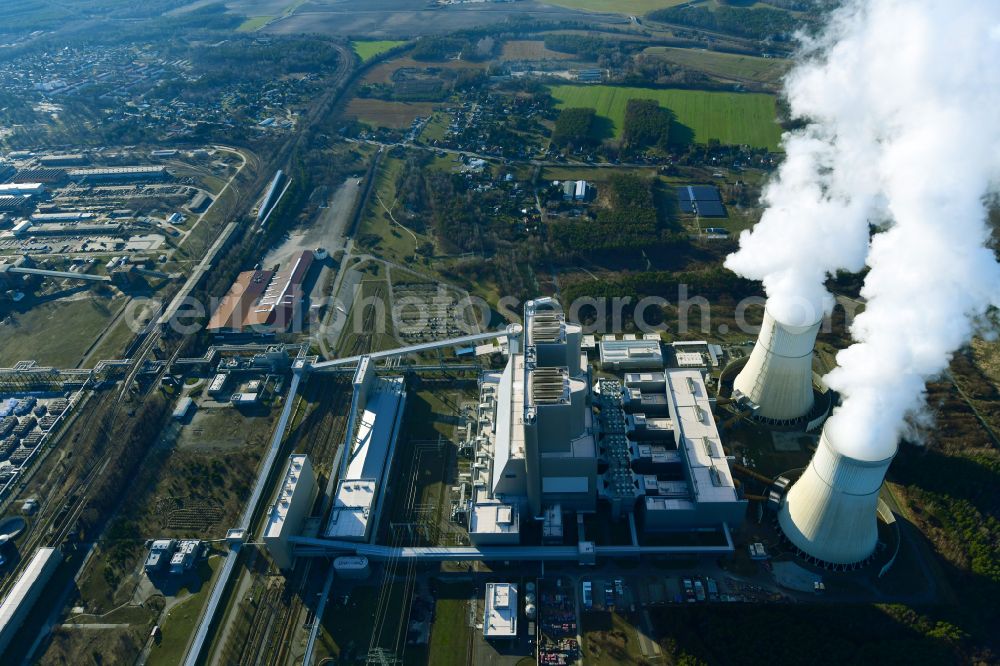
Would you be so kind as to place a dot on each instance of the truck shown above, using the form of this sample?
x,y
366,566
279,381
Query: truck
x,y
699,590
713,590
588,595
688,590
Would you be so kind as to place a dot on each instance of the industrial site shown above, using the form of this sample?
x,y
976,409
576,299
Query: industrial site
x,y
557,333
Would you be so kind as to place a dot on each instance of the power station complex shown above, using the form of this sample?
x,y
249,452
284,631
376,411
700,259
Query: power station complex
x,y
631,438
553,439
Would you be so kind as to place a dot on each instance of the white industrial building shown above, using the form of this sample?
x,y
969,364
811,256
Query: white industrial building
x,y
830,512
22,596
500,615
185,557
631,354
379,402
159,554
291,507
778,376
119,174
22,189
706,492
544,429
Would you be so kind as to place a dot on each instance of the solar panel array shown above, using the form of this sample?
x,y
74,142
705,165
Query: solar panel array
x,y
703,200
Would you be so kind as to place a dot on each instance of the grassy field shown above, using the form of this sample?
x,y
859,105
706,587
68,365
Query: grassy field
x,y
592,175
394,243
114,343
254,23
732,118
179,623
631,7
725,65
450,632
383,71
436,128
608,638
41,332
367,50
395,115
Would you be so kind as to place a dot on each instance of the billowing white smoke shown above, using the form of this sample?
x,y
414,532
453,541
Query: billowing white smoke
x,y
902,98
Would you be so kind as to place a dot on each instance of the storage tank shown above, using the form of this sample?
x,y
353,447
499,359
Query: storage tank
x,y
830,512
352,567
778,375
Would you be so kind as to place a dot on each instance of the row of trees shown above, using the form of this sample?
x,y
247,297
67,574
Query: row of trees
x,y
762,23
468,48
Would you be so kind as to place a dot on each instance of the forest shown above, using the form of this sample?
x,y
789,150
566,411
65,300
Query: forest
x,y
647,125
762,23
574,128
628,222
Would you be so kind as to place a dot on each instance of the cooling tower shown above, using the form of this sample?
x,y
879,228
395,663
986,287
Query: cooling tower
x,y
778,374
829,513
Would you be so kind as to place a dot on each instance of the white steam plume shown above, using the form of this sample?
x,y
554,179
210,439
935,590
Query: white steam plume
x,y
903,101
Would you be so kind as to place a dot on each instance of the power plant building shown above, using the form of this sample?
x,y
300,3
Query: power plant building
x,y
291,507
380,402
706,492
545,430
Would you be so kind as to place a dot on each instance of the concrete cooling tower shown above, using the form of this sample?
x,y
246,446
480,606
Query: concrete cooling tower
x,y
830,512
778,374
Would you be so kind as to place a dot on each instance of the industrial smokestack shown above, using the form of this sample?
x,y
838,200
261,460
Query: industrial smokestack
x,y
778,374
830,512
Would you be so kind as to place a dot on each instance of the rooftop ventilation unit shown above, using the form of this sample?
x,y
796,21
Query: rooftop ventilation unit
x,y
547,326
549,386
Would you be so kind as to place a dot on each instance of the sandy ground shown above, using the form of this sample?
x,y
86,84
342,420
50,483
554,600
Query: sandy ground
x,y
391,18
326,230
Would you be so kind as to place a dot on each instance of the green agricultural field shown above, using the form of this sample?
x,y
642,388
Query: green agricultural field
x,y
725,65
367,50
631,7
732,118
254,23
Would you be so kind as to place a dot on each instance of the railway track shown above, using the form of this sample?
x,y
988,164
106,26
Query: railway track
x,y
55,524
322,437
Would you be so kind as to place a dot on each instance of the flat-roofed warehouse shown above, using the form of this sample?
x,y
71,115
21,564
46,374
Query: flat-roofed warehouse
x,y
19,601
264,299
239,301
118,174
644,354
500,616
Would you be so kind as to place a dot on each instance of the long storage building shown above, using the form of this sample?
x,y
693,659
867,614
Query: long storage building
x,y
22,597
